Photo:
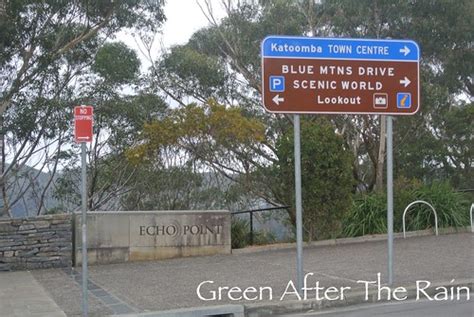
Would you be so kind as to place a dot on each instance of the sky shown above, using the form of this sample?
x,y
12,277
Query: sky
x,y
184,17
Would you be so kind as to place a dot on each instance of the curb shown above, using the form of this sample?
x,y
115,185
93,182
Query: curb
x,y
355,298
221,310
342,241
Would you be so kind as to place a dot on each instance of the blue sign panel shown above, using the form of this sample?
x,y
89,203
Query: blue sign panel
x,y
340,48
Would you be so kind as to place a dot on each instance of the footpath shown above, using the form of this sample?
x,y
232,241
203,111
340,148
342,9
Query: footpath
x,y
152,288
22,296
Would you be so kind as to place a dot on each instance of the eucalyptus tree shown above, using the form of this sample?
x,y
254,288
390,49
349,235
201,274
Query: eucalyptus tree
x,y
432,143
225,128
118,120
221,64
46,51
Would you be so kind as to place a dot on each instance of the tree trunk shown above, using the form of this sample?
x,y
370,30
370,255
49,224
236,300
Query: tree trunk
x,y
5,210
383,127
381,155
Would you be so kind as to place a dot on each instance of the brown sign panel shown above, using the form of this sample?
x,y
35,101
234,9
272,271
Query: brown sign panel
x,y
346,86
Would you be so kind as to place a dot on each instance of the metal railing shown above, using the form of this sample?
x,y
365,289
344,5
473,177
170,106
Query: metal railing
x,y
419,202
251,212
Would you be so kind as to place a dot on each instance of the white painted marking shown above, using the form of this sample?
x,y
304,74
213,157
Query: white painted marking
x,y
405,81
405,50
277,99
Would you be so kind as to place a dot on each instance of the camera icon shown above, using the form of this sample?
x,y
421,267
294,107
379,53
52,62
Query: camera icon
x,y
380,101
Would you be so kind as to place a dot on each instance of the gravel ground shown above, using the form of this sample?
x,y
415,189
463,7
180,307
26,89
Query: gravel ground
x,y
171,284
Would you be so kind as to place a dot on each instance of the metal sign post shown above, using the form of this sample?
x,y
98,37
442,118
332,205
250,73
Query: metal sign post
x,y
307,75
83,120
390,198
85,306
299,206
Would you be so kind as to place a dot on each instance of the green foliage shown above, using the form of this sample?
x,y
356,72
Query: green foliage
x,y
173,188
111,175
51,53
327,180
222,61
206,132
367,216
53,29
452,207
441,153
434,143
248,24
47,49
205,76
240,234
116,63
369,211
124,117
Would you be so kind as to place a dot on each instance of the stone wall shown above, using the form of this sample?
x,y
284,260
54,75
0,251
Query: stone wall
x,y
34,243
114,237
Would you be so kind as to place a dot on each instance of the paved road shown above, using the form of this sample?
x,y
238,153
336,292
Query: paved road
x,y
462,308
171,284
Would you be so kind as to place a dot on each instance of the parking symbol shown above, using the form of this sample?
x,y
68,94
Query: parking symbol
x,y
277,83
403,100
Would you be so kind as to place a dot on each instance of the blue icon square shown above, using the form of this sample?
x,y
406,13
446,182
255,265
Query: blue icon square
x,y
277,83
403,100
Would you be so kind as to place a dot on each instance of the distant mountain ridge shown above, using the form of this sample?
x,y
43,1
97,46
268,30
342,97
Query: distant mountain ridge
x,y
25,193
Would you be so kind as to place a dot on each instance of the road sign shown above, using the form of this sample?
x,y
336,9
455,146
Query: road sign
x,y
335,75
83,119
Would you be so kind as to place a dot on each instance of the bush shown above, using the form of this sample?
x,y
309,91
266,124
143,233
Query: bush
x,y
369,211
452,207
326,177
240,234
367,216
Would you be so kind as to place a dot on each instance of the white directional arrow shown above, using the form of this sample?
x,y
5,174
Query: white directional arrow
x,y
405,50
277,99
405,81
